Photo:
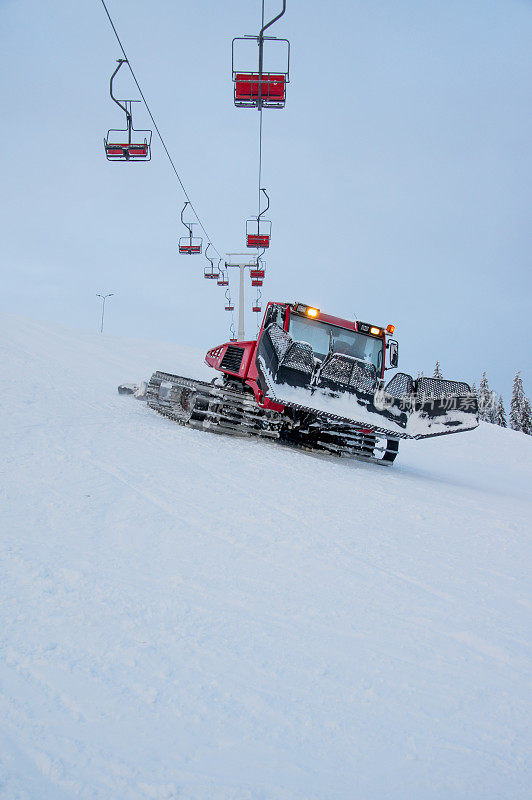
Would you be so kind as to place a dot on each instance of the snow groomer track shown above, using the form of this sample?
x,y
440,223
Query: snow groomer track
x,y
228,409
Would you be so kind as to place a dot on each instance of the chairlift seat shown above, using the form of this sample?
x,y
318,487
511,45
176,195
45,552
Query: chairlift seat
x,y
256,308
256,273
256,283
229,308
272,89
260,240
126,151
190,245
223,282
190,248
117,150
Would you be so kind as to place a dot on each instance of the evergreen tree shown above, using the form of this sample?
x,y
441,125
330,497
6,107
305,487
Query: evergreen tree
x,y
500,414
493,408
517,404
526,419
485,400
474,392
437,371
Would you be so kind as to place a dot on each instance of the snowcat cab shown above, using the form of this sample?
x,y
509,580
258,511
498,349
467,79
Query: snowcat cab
x,y
126,144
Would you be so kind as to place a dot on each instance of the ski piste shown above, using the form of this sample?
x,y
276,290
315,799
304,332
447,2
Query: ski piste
x,y
316,381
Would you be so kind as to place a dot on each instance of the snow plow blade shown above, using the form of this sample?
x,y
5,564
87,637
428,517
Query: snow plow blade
x,y
345,388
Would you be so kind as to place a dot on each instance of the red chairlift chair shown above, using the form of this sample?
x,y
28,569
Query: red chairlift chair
x,y
272,89
261,88
223,280
228,302
258,230
257,240
119,143
189,245
256,307
211,272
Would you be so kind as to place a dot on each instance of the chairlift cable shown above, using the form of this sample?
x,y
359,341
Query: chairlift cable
x,y
159,134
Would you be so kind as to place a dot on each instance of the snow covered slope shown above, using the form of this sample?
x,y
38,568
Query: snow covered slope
x,y
189,616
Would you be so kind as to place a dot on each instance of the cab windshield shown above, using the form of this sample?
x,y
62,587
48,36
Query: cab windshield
x,y
318,335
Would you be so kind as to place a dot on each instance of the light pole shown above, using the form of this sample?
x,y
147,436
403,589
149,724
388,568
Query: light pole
x,y
104,298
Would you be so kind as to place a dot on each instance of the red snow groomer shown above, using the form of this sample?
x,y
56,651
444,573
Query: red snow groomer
x,y
316,381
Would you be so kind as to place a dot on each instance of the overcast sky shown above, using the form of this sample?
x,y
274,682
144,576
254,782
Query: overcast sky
x,y
399,172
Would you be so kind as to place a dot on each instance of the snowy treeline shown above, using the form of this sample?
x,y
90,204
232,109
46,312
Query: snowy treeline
x,y
491,406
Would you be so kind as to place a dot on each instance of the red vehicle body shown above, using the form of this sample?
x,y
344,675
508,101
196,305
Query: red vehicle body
x,y
220,357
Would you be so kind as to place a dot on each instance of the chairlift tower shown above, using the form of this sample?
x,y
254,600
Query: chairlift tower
x,y
242,262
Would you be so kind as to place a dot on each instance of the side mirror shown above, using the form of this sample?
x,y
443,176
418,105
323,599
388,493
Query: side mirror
x,y
393,358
